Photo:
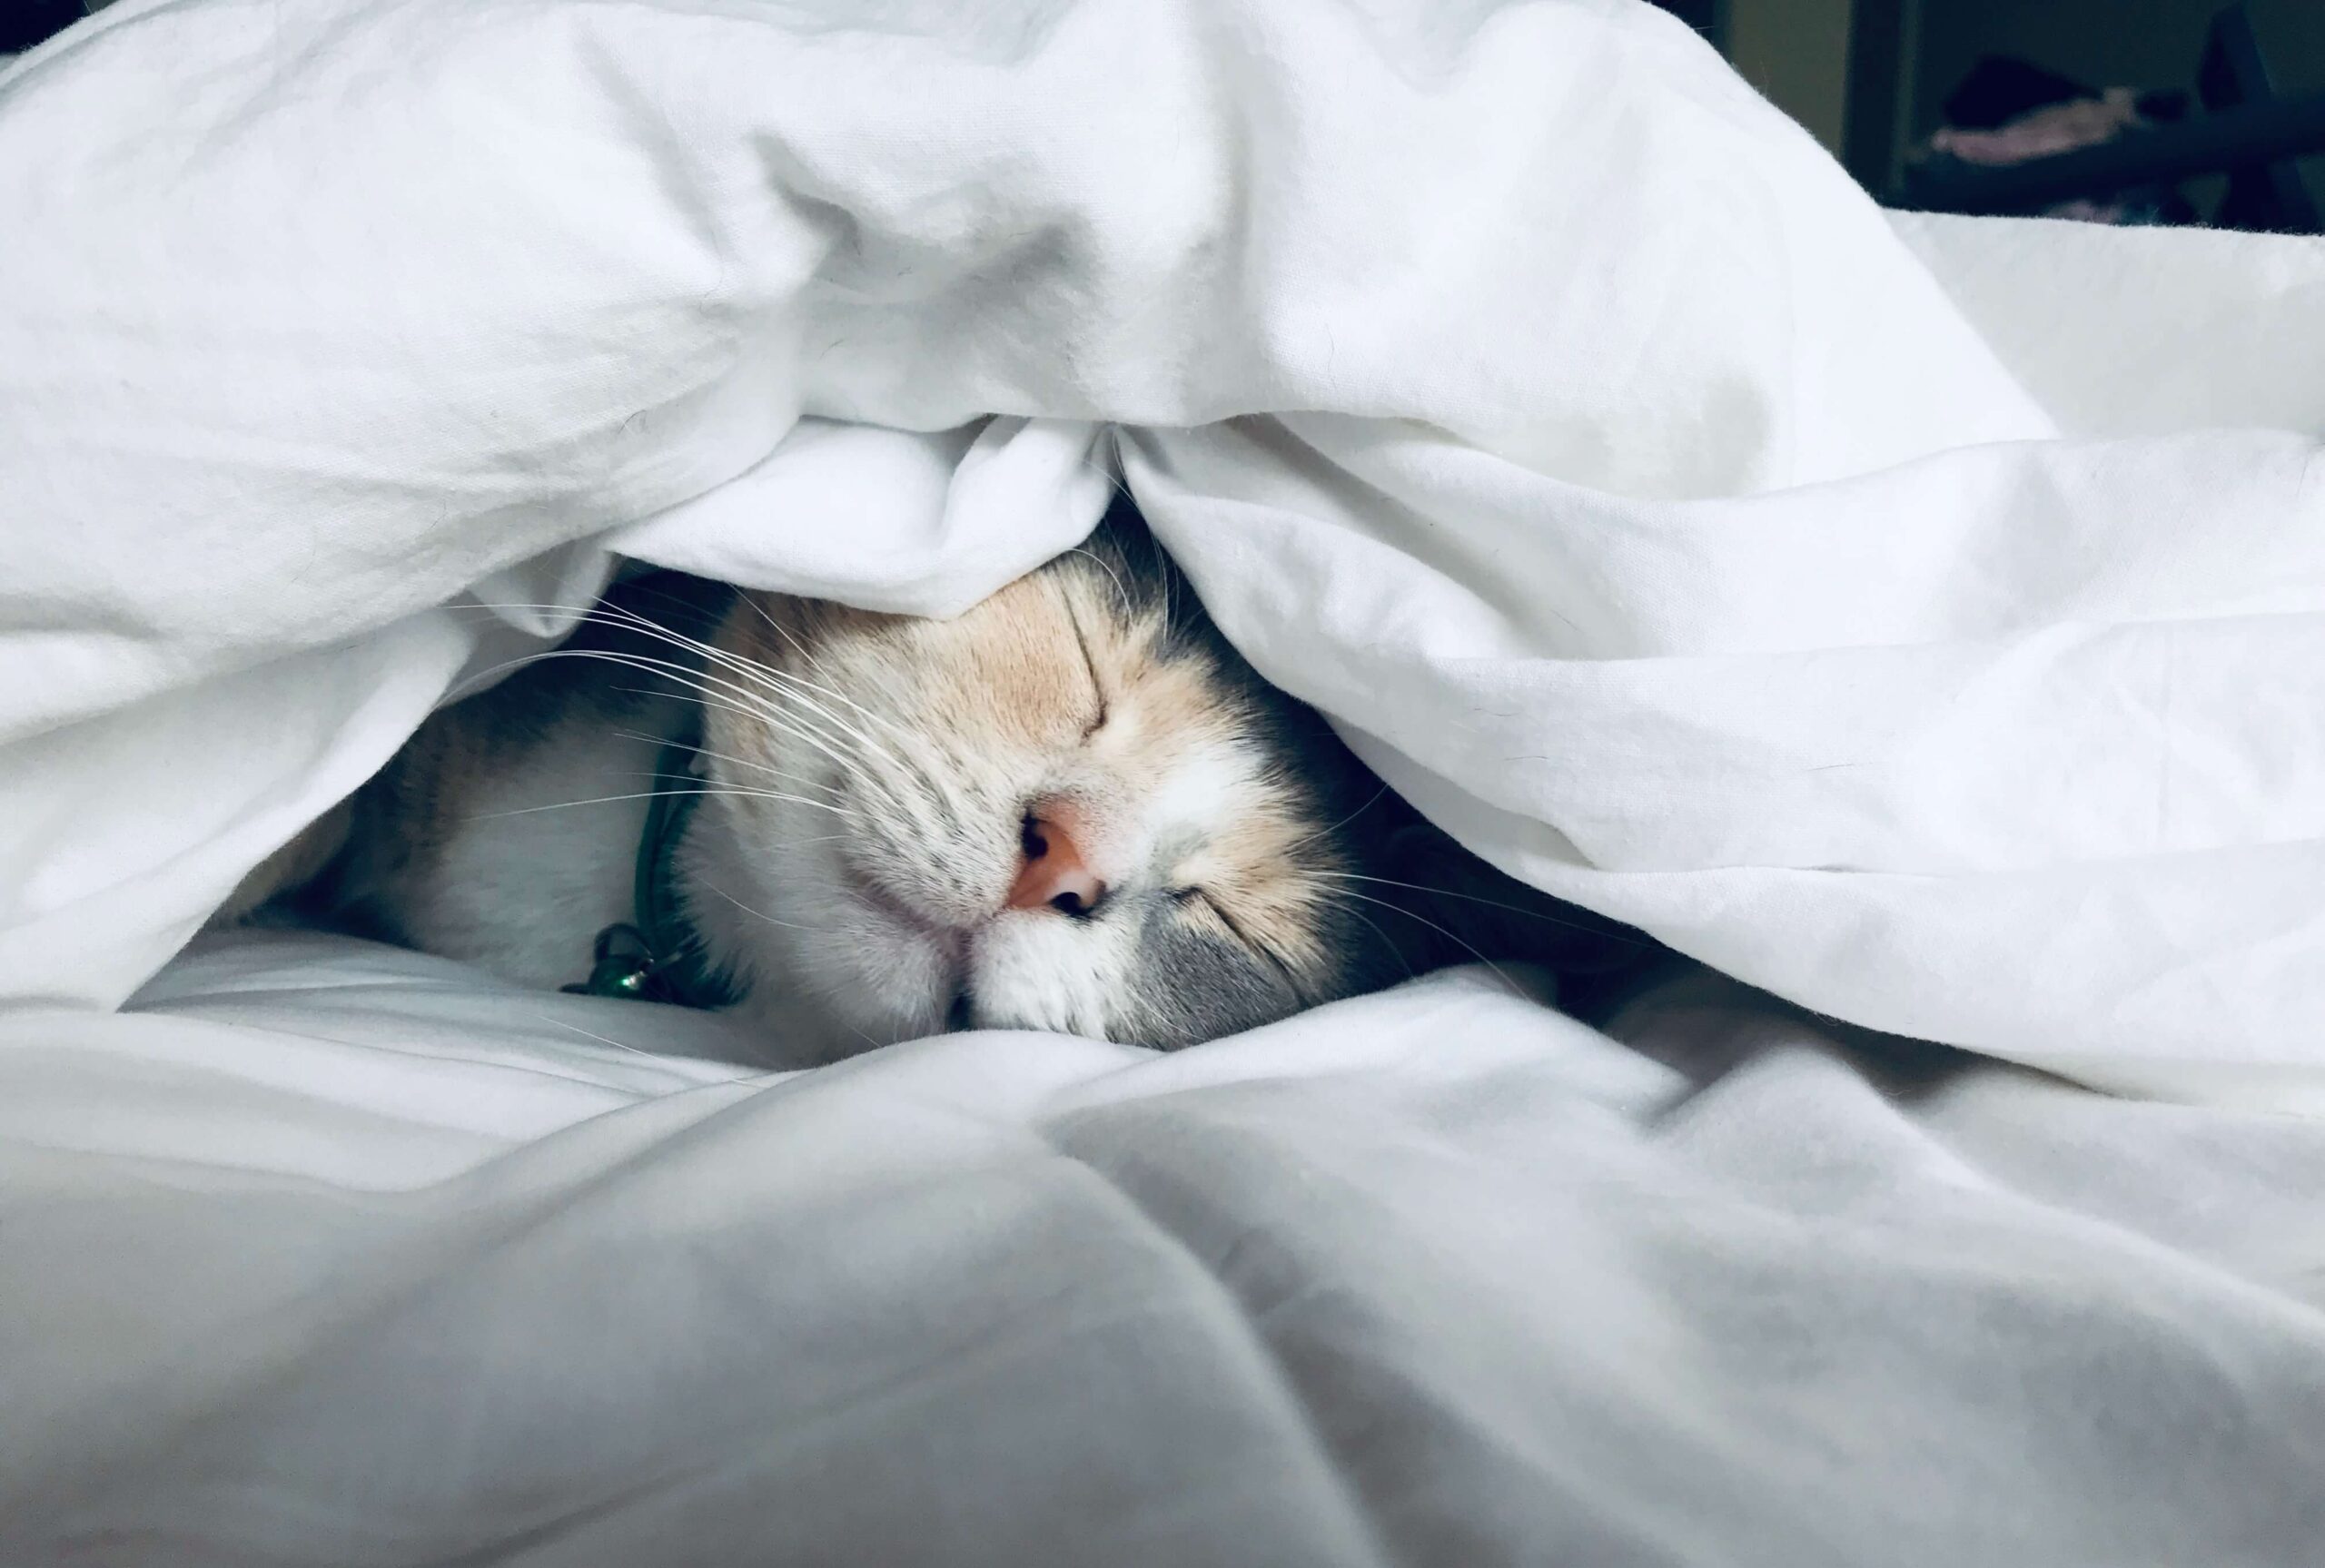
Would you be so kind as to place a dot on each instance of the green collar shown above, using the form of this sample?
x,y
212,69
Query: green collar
x,y
659,956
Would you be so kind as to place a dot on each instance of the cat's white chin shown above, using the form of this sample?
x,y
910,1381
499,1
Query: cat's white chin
x,y
1037,969
865,975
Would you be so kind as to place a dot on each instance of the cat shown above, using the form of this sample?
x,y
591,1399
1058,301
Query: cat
x,y
1074,807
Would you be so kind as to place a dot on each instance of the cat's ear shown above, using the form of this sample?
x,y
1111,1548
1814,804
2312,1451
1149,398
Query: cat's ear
x,y
1459,909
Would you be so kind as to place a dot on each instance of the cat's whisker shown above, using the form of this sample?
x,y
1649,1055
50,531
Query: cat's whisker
x,y
1122,592
743,791
831,727
684,677
773,703
462,690
688,689
691,687
601,1039
777,628
808,658
1453,936
776,702
757,913
747,705
852,733
758,1059
858,759
1374,927
1308,838
744,699
1111,472
649,794
1539,914
792,682
800,780
830,741
749,670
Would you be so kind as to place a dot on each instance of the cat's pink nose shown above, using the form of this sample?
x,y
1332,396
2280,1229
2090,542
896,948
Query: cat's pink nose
x,y
1054,873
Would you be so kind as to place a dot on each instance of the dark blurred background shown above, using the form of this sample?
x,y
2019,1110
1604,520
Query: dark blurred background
x,y
2115,111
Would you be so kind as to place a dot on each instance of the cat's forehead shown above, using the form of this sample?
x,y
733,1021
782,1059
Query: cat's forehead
x,y
1073,648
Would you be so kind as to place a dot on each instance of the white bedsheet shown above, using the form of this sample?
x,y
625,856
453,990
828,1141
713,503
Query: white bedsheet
x,y
408,1269
1921,620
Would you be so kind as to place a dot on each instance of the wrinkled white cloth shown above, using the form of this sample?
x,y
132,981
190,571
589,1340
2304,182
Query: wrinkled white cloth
x,y
1918,619
412,1268
1860,606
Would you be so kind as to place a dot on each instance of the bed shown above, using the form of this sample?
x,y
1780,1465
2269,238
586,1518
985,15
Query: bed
x,y
1916,623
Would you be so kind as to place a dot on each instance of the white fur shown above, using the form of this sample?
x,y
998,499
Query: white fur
x,y
570,867
1035,968
1199,794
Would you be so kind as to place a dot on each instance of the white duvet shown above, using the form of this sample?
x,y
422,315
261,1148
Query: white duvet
x,y
1921,620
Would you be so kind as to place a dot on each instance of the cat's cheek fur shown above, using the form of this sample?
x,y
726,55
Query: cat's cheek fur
x,y
824,975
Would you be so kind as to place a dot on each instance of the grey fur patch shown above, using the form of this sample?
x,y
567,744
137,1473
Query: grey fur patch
x,y
1190,985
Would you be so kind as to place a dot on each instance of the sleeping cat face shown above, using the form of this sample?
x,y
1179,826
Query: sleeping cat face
x,y
1072,807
